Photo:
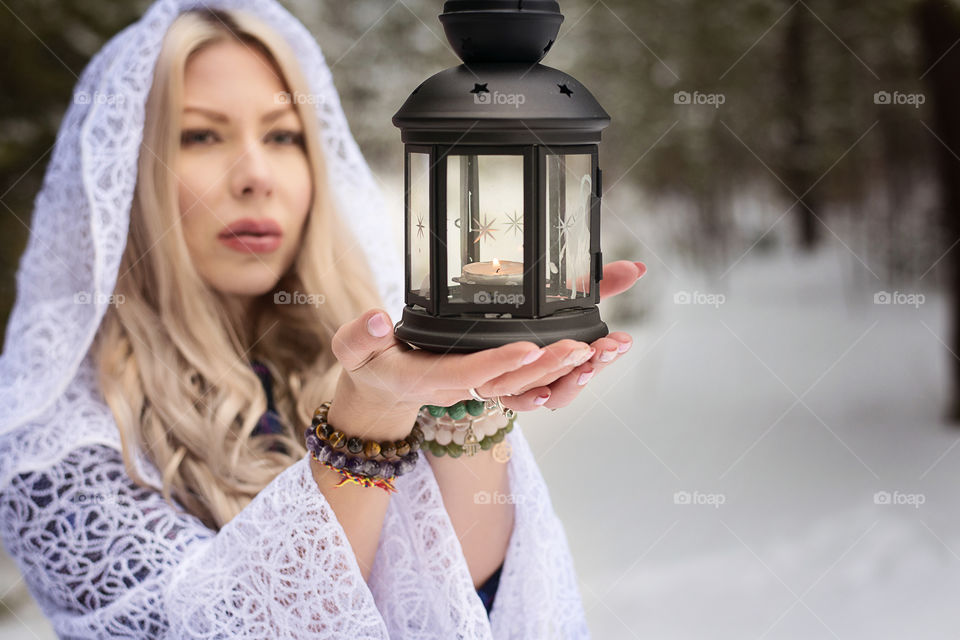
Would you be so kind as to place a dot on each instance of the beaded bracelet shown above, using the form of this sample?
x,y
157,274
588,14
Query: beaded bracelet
x,y
370,449
359,465
459,410
359,470
471,445
323,441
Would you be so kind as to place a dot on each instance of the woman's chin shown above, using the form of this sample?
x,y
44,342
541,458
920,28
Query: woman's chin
x,y
246,283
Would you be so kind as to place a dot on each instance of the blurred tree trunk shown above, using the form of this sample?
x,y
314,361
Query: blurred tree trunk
x,y
893,252
939,25
797,166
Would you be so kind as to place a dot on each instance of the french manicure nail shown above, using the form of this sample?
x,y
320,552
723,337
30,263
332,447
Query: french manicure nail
x,y
541,400
377,326
533,356
609,355
584,378
624,346
578,357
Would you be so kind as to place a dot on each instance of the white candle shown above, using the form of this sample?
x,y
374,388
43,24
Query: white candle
x,y
502,272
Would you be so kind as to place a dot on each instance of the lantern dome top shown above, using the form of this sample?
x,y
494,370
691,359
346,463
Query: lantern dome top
x,y
501,94
501,30
501,103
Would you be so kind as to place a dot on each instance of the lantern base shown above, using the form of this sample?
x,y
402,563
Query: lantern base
x,y
474,332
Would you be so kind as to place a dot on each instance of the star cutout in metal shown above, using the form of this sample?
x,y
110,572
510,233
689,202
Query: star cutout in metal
x,y
515,223
419,226
485,229
565,90
480,88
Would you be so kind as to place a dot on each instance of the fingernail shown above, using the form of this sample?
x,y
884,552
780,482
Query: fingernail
x,y
377,326
578,357
642,269
541,400
607,356
533,356
584,378
624,346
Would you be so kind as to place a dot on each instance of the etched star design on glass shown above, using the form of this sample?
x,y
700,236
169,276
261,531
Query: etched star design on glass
x,y
566,227
484,229
515,223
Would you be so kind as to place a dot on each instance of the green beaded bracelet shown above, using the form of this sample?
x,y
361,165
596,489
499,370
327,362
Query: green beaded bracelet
x,y
458,410
455,450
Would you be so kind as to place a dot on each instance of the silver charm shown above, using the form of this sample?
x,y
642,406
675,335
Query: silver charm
x,y
471,446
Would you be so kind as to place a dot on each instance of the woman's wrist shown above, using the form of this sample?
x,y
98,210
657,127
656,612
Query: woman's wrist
x,y
365,413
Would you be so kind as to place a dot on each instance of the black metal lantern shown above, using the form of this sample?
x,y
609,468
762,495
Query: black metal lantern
x,y
502,212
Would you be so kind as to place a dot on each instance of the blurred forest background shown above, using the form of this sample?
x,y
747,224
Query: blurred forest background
x,y
792,142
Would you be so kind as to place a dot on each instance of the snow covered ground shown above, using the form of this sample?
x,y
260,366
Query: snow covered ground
x,y
744,445
739,449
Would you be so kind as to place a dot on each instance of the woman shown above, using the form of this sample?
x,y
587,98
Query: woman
x,y
197,282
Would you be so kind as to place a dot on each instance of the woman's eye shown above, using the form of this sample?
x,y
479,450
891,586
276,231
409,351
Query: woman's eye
x,y
197,136
287,137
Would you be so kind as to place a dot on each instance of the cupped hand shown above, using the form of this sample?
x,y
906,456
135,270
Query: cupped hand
x,y
387,376
392,378
563,377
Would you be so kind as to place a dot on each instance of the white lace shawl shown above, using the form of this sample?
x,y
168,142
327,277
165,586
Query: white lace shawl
x,y
106,558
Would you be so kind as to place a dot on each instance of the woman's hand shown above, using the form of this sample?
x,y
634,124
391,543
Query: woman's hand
x,y
384,382
562,381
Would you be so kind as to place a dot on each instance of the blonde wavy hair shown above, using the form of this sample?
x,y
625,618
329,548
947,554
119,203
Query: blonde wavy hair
x,y
174,356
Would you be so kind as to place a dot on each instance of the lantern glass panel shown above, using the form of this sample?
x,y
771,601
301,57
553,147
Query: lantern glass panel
x,y
418,219
569,186
485,198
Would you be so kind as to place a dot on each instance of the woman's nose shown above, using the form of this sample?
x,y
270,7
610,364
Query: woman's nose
x,y
251,173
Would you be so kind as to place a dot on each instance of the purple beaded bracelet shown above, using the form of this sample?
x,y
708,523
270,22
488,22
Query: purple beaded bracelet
x,y
359,465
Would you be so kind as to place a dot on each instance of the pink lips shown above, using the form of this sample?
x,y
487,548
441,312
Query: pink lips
x,y
248,235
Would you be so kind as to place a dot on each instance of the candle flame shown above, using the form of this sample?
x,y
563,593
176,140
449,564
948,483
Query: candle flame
x,y
496,264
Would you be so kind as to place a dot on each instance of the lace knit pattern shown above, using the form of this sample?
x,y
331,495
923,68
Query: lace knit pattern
x,y
104,557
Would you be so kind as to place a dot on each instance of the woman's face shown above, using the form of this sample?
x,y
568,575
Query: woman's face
x,y
244,178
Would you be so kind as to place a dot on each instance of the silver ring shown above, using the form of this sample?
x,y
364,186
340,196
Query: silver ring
x,y
476,396
509,413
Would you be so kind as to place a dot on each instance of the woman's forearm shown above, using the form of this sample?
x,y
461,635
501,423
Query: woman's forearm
x,y
360,510
476,494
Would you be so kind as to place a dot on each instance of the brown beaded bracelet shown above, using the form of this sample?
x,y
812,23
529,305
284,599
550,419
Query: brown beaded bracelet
x,y
370,449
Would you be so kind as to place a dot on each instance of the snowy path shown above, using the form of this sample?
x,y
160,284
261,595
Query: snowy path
x,y
785,409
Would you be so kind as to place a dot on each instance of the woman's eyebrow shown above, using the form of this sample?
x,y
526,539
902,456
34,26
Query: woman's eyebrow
x,y
270,116
213,115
